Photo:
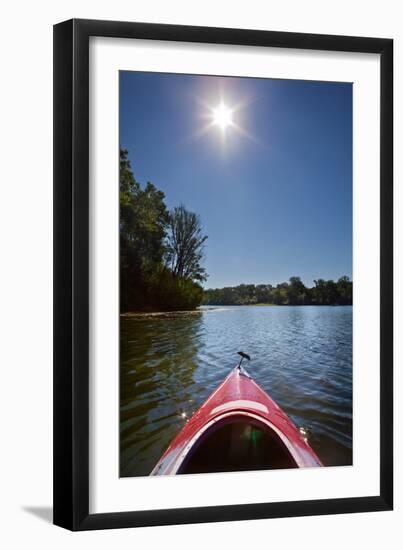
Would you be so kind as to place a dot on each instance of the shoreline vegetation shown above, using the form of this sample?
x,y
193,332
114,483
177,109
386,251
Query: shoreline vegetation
x,y
161,260
291,293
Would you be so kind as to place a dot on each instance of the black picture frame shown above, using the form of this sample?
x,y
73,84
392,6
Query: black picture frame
x,y
71,274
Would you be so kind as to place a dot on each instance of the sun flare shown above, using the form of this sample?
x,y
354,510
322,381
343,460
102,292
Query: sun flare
x,y
222,116
223,119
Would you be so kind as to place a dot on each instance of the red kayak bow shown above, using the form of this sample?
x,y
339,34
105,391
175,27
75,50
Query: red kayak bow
x,y
238,428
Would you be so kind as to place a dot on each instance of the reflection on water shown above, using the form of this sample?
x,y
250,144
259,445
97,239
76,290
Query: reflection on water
x,y
170,363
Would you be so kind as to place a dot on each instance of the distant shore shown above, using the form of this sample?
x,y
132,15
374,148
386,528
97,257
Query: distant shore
x,y
208,307
289,293
272,305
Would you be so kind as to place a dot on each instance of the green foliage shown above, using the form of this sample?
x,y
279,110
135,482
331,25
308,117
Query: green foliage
x,y
170,292
146,229
143,217
292,293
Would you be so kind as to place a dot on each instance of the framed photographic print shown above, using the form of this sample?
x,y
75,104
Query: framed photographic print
x,y
223,320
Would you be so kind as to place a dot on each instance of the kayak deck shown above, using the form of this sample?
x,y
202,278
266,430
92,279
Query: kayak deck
x,y
238,428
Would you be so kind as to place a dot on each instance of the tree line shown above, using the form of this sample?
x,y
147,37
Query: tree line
x,y
161,251
293,292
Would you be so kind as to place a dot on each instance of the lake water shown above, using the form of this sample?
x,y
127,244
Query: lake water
x,y
170,363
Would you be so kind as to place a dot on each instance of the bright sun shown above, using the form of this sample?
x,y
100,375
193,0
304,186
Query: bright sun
x,y
222,116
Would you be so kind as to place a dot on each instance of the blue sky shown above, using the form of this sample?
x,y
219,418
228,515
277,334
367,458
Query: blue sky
x,y
275,195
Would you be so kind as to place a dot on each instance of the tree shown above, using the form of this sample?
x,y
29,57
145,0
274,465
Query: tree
x,y
143,226
297,293
143,215
185,245
264,294
146,282
326,292
319,292
345,290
